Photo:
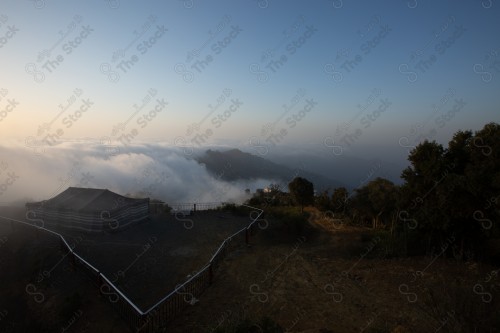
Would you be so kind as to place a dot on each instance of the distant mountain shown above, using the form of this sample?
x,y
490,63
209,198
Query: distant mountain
x,y
353,171
234,164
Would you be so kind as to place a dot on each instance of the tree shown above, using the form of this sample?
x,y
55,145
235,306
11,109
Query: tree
x,y
339,199
275,189
453,193
322,201
424,195
482,174
376,200
302,191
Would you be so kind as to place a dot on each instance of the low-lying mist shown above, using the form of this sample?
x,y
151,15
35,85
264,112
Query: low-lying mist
x,y
143,170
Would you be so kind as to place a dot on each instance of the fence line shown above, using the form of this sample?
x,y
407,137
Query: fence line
x,y
136,317
193,206
167,308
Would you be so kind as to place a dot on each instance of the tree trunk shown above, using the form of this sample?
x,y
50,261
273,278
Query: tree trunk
x,y
392,224
377,219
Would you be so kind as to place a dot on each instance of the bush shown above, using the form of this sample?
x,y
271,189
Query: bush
x,y
399,245
290,218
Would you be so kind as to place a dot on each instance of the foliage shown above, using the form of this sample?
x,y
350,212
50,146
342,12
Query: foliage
x,y
376,201
322,201
340,198
450,199
275,197
291,219
302,191
451,195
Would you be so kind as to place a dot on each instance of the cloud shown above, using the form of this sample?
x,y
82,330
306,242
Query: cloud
x,y
147,170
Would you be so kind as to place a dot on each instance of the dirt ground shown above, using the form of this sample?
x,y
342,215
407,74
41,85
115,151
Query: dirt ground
x,y
332,278
41,292
147,261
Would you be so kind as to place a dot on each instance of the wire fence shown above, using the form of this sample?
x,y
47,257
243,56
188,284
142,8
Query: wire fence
x,y
184,208
188,206
160,314
187,293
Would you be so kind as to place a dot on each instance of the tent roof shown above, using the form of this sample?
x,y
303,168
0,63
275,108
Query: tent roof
x,y
87,200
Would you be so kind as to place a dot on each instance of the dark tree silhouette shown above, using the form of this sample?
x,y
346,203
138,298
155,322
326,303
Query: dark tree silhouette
x,y
452,194
376,201
302,191
340,197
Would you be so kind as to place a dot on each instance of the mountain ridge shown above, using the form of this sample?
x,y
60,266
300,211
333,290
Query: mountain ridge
x,y
234,164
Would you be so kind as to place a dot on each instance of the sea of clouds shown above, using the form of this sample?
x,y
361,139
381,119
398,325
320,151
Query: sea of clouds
x,y
158,171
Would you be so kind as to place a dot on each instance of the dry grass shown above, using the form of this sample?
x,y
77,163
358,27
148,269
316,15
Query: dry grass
x,y
335,282
333,279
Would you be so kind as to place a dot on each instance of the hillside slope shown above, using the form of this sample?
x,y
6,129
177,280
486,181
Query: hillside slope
x,y
42,292
336,281
234,164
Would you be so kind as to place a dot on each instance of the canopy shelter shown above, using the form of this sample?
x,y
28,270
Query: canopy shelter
x,y
89,209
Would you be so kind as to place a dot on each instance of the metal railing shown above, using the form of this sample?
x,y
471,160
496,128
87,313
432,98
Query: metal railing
x,y
185,294
172,304
196,206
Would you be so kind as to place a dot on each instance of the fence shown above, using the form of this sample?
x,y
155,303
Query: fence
x,y
196,206
184,207
167,308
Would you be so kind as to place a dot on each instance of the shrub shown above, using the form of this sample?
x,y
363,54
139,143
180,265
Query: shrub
x,y
290,218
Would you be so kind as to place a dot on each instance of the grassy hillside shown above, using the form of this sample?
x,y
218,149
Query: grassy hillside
x,y
334,278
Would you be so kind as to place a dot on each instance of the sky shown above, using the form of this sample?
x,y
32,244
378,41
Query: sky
x,y
335,77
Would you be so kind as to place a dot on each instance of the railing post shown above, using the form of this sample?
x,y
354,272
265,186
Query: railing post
x,y
210,274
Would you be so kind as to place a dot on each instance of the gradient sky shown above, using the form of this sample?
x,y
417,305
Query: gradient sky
x,y
348,57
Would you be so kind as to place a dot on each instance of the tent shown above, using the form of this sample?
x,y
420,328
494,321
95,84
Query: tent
x,y
89,209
